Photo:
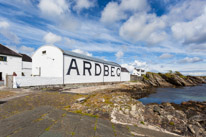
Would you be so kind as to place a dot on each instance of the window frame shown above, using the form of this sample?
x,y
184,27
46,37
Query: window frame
x,y
3,58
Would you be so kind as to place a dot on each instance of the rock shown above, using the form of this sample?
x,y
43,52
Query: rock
x,y
157,109
191,128
80,100
171,79
198,118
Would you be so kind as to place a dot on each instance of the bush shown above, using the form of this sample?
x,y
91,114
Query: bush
x,y
180,74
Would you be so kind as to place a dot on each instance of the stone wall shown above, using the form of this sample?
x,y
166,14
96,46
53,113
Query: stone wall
x,y
135,78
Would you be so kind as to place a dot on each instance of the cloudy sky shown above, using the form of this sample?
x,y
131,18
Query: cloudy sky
x,y
156,35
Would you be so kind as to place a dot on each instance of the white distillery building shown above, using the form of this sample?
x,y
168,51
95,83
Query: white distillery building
x,y
52,65
139,72
12,63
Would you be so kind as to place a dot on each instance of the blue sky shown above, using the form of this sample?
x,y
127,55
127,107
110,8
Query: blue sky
x,y
156,35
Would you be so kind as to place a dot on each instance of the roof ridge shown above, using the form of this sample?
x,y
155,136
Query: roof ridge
x,y
8,51
71,53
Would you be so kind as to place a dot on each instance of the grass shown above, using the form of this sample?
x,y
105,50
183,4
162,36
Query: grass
x,y
145,77
72,133
85,114
41,117
114,130
95,125
142,122
172,123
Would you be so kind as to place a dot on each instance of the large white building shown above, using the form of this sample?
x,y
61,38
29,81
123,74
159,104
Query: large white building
x,y
53,62
12,63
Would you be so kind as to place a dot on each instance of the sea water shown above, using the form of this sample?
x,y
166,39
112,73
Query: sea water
x,y
176,95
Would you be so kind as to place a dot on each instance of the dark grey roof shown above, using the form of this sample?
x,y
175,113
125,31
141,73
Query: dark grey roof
x,y
124,70
89,58
26,58
137,69
6,51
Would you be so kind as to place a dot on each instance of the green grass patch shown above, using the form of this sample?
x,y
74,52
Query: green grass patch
x,y
85,114
172,123
72,133
114,130
142,122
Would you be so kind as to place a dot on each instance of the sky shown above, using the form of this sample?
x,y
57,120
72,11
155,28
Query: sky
x,y
156,35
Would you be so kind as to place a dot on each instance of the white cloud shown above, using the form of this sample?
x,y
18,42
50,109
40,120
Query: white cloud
x,y
83,4
191,60
27,50
185,10
143,27
5,31
112,13
134,5
196,73
4,25
82,52
192,31
119,54
166,56
22,49
70,41
115,11
51,38
53,7
136,64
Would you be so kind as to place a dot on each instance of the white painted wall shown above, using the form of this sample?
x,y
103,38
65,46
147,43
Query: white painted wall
x,y
113,78
49,64
13,64
35,81
138,73
74,78
27,68
125,76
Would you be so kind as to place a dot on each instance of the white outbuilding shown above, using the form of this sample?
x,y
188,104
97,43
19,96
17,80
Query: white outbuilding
x,y
65,67
139,72
12,63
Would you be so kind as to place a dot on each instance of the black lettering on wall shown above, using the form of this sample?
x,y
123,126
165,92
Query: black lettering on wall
x,y
96,73
73,67
106,70
112,71
118,72
87,68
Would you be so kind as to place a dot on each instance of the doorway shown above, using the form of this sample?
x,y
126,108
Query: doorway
x,y
1,76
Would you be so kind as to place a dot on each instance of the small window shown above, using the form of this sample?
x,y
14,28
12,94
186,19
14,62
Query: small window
x,y
44,52
3,58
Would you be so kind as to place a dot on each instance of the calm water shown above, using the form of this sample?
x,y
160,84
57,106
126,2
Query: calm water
x,y
176,95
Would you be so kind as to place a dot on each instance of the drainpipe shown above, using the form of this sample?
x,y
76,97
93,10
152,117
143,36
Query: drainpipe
x,y
63,69
103,73
120,74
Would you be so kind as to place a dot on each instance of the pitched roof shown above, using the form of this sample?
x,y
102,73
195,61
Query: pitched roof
x,y
26,58
124,70
7,51
89,58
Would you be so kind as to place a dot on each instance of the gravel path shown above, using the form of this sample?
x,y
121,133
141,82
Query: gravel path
x,y
90,89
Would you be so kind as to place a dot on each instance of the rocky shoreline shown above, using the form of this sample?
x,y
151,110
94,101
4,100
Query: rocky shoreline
x,y
121,106
175,79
